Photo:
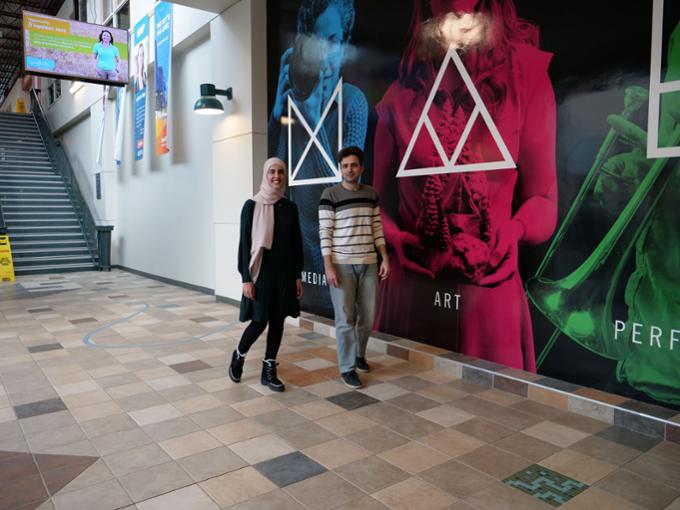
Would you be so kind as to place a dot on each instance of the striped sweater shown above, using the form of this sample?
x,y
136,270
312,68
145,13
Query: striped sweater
x,y
349,225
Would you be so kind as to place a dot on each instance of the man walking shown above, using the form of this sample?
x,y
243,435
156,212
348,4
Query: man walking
x,y
350,231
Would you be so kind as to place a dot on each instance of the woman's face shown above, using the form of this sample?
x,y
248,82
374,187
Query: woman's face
x,y
443,7
140,57
328,30
276,176
106,38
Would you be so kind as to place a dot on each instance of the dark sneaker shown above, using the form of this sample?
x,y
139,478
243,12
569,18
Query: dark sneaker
x,y
236,367
362,366
351,380
269,377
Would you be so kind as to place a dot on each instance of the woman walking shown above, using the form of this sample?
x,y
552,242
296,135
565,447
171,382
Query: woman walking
x,y
270,263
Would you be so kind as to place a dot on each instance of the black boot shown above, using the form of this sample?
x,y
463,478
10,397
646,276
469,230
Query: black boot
x,y
236,366
269,375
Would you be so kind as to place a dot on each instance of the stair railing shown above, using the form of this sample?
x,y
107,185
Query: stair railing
x,y
57,155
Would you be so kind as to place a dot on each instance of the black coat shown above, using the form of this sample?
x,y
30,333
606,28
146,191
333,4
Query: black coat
x,y
275,291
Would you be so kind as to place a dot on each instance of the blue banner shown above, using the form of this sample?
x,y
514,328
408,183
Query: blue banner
x,y
140,54
163,44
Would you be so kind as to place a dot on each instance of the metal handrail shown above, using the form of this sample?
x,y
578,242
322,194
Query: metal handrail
x,y
61,163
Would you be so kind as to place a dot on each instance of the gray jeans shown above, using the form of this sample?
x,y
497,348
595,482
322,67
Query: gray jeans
x,y
354,304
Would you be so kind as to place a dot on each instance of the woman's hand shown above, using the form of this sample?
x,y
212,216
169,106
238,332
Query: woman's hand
x,y
384,271
249,290
405,240
504,255
298,289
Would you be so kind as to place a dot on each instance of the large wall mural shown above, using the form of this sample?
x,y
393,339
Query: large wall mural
x,y
531,220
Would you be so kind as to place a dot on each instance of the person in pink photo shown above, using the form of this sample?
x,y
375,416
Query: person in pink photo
x,y
106,57
455,237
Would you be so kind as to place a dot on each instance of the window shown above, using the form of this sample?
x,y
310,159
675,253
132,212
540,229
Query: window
x,y
117,13
53,91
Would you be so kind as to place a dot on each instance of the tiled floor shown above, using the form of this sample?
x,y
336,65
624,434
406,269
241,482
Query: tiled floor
x,y
151,421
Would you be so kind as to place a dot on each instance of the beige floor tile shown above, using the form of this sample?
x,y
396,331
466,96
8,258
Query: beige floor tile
x,y
414,494
372,474
274,500
317,409
155,481
49,439
346,423
135,459
95,411
119,441
191,497
164,383
257,406
76,387
190,444
211,463
494,462
324,492
445,415
214,385
579,466
154,414
336,453
86,399
197,404
237,486
384,391
108,425
503,497
657,468
261,448
327,388
236,431
128,390
413,457
95,474
107,495
555,433
596,499
452,443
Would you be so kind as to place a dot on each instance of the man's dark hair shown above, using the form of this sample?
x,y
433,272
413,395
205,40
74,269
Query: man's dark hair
x,y
351,151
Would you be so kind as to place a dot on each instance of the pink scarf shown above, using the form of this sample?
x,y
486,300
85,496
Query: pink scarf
x,y
262,234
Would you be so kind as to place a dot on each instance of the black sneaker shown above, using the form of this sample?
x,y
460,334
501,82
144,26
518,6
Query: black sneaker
x,y
362,366
351,380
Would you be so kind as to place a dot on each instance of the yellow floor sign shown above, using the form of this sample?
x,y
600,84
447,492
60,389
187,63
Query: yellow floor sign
x,y
6,264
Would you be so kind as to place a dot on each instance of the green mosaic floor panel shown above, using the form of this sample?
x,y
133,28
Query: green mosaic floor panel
x,y
546,484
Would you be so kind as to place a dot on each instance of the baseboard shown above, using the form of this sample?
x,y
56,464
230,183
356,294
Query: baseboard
x,y
163,279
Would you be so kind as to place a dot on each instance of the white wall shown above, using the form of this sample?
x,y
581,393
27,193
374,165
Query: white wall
x,y
239,139
165,203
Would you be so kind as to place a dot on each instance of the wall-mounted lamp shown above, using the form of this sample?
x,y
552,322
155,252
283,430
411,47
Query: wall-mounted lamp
x,y
208,104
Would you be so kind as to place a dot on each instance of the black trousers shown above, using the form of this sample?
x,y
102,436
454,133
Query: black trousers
x,y
253,332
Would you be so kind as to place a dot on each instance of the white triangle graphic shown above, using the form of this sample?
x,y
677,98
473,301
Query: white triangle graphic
x,y
313,140
479,109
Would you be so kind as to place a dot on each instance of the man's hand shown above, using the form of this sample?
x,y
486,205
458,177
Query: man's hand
x,y
249,290
384,271
332,277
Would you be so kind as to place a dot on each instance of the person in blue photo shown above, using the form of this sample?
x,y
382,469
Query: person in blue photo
x,y
106,57
309,73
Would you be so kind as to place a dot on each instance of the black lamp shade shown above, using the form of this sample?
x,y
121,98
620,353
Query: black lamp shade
x,y
208,105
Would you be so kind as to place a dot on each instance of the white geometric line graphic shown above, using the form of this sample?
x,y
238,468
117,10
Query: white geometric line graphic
x,y
334,167
656,88
479,109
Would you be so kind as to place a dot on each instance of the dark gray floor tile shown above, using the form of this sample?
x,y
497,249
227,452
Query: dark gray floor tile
x,y
51,405
628,438
288,469
352,400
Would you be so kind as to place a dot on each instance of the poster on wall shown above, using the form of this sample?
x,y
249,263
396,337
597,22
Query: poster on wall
x,y
140,52
526,222
163,46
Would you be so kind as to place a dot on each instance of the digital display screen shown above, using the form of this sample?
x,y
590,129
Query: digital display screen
x,y
74,50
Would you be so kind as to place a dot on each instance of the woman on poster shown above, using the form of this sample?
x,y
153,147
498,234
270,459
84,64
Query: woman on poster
x,y
270,261
454,237
106,57
140,69
309,74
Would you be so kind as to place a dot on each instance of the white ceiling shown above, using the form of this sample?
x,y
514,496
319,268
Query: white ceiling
x,y
216,6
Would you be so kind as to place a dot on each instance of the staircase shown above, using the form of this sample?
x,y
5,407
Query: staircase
x,y
42,224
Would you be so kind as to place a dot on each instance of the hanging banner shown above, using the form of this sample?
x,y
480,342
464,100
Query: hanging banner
x,y
163,47
120,123
141,43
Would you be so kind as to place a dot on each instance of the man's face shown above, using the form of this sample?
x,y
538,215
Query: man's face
x,y
351,169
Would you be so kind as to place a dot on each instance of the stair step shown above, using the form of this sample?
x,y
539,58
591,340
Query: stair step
x,y
53,260
51,236
21,202
64,243
40,229
35,209
50,269
38,252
